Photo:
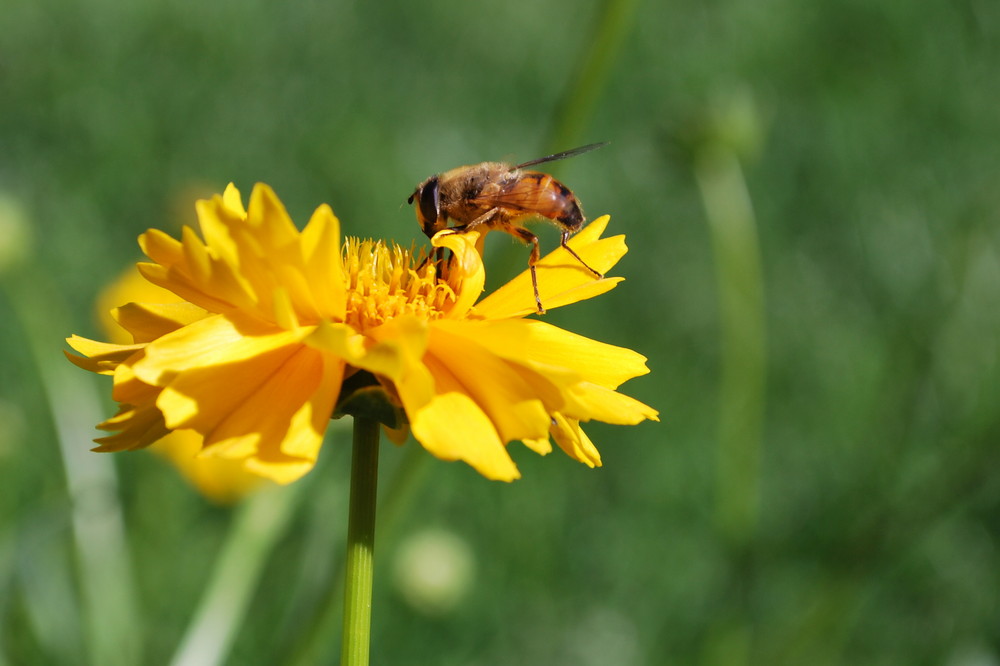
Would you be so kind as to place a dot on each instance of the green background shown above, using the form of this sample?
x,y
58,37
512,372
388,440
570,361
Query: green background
x,y
810,195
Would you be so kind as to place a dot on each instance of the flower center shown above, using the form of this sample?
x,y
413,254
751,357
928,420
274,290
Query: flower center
x,y
382,283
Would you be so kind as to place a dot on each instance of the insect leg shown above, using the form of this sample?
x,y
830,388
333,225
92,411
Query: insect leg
x,y
436,258
485,218
565,237
529,237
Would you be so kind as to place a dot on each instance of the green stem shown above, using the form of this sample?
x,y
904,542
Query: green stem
x,y
740,281
611,27
313,639
109,612
258,525
741,401
360,544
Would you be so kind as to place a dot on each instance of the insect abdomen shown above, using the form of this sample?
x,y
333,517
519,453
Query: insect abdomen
x,y
553,199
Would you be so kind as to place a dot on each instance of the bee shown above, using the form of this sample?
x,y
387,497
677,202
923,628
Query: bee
x,y
495,195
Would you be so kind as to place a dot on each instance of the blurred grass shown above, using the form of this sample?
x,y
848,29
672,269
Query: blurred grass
x,y
874,191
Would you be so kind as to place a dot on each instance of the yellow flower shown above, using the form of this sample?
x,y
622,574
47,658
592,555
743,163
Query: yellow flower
x,y
273,321
219,479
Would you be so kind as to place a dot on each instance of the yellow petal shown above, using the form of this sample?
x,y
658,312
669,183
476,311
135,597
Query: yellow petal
x,y
233,201
216,218
148,321
99,357
388,350
445,420
323,263
339,339
221,272
215,340
256,263
400,347
284,314
138,426
161,248
209,277
509,401
129,287
467,271
265,405
183,287
280,424
129,389
542,446
452,427
537,344
94,348
312,418
562,279
197,262
280,471
267,214
594,402
574,441
397,436
201,396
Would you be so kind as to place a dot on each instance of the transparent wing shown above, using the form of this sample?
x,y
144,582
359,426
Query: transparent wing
x,y
526,193
564,154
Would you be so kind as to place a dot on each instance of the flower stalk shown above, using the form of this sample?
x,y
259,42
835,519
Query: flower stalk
x,y
360,544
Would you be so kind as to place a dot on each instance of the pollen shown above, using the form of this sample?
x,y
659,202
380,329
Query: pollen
x,y
382,283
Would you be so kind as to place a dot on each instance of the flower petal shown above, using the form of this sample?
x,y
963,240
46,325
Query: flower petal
x,y
161,248
595,402
279,425
149,321
453,427
200,397
129,389
540,345
467,271
99,357
443,418
397,355
542,446
138,426
234,201
323,264
562,279
574,441
215,340
183,287
506,397
267,217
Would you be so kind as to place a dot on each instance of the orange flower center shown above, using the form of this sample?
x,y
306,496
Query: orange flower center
x,y
382,283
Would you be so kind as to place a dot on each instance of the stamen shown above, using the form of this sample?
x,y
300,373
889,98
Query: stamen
x,y
385,282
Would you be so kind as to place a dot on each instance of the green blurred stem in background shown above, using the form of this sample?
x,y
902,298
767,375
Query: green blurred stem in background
x,y
736,251
108,611
258,524
593,69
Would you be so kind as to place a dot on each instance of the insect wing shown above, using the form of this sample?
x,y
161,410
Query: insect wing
x,y
563,155
524,194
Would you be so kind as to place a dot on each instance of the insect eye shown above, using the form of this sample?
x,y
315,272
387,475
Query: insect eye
x,y
429,203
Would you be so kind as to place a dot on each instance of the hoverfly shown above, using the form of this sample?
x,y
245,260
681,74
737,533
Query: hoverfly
x,y
496,195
